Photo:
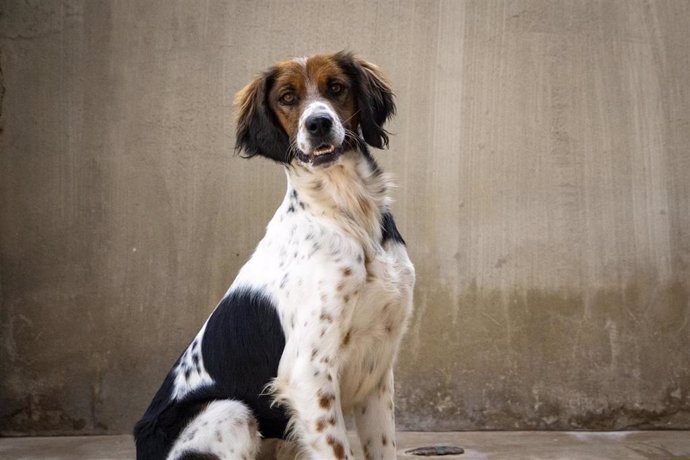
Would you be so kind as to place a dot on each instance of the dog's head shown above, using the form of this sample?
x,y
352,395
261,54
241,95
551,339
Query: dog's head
x,y
313,109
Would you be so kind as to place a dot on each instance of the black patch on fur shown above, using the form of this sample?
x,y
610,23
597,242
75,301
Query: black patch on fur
x,y
388,229
374,99
258,130
241,349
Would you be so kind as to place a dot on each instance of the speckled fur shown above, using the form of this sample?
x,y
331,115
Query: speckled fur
x,y
343,300
224,429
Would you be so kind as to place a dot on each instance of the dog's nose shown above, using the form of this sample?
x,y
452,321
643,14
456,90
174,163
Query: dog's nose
x,y
319,125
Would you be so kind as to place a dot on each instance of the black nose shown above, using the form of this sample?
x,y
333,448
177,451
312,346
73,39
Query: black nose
x,y
318,125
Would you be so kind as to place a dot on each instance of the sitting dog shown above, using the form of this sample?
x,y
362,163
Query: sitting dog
x,y
309,330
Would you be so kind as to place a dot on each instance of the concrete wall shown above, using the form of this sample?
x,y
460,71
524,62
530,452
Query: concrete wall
x,y
543,155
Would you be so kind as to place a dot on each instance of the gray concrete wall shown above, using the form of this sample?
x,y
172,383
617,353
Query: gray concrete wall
x,y
543,155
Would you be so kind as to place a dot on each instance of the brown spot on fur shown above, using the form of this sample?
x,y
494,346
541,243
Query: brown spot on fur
x,y
384,439
326,317
346,339
321,424
337,446
340,287
347,271
325,400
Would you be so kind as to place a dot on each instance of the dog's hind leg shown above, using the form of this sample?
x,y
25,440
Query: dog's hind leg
x,y
223,430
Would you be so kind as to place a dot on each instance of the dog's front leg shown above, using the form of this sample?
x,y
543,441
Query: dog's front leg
x,y
375,419
307,382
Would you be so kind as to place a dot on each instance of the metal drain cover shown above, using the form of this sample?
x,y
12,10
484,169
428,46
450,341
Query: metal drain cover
x,y
428,451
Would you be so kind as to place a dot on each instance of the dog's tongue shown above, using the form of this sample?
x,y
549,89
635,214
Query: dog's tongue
x,y
324,149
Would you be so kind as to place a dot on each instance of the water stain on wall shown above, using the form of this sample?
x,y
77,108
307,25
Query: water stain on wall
x,y
616,359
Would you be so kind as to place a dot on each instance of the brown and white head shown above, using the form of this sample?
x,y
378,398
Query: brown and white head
x,y
313,110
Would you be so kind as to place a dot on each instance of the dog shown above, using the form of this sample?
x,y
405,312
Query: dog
x,y
309,330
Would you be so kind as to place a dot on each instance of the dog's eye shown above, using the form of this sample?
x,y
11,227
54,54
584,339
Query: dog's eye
x,y
335,88
288,98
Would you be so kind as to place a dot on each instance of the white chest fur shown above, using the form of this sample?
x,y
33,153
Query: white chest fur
x,y
342,297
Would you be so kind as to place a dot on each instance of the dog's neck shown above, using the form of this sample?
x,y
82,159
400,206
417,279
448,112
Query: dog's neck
x,y
352,193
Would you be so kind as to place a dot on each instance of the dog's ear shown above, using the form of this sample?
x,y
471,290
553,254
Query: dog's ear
x,y
374,98
258,130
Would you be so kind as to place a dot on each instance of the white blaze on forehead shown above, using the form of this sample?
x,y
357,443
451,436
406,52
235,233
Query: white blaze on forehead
x,y
301,60
315,108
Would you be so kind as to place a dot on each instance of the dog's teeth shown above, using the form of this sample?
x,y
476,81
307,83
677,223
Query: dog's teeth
x,y
324,150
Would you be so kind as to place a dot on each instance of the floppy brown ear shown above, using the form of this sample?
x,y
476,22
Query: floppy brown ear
x,y
374,98
258,131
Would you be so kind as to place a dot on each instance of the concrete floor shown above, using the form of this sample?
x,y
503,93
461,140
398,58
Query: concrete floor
x,y
477,445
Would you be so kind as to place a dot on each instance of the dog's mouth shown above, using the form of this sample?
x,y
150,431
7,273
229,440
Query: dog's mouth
x,y
323,154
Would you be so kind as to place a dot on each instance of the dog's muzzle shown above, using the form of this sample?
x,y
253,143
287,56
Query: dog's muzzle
x,y
320,138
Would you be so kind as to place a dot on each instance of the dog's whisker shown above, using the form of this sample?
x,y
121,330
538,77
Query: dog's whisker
x,y
351,116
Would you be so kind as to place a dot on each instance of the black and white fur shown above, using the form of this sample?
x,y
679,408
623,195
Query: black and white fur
x,y
309,330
